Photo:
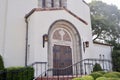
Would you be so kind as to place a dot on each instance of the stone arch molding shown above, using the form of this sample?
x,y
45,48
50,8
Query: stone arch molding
x,y
63,32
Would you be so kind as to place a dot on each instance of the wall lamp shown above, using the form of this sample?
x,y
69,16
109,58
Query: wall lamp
x,y
86,43
45,39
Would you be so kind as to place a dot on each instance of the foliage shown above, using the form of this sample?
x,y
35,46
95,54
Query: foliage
x,y
101,78
3,74
26,72
102,72
116,60
76,79
95,75
84,78
97,67
1,63
105,21
18,73
110,75
87,78
113,78
104,78
116,73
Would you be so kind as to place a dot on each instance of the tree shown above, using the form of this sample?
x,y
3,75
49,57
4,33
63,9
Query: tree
x,y
105,21
116,58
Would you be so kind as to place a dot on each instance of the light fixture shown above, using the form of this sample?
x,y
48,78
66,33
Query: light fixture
x,y
87,43
45,39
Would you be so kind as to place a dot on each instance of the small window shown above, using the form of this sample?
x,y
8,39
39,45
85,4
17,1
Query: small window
x,y
48,3
64,3
40,3
43,3
56,3
52,3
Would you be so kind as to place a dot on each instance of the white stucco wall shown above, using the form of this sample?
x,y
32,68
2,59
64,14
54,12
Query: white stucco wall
x,y
100,49
13,27
3,6
79,8
42,22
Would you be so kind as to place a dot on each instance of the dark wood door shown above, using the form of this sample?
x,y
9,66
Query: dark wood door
x,y
62,58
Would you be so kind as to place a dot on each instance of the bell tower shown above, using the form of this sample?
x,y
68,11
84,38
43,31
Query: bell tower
x,y
52,3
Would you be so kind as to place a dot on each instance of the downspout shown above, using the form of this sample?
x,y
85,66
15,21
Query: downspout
x,y
26,51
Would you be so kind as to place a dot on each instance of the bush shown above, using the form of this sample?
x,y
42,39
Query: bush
x,y
87,78
95,75
101,78
102,72
84,78
116,60
116,73
76,79
2,73
1,63
97,67
110,75
20,73
113,78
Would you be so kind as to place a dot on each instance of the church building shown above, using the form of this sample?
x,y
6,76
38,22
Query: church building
x,y
51,33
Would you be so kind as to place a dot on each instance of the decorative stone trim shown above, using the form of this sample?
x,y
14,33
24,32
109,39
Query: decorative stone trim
x,y
51,9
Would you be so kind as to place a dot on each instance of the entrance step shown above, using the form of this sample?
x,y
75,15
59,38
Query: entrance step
x,y
57,78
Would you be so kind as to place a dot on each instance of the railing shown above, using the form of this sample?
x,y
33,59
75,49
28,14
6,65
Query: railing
x,y
39,67
82,67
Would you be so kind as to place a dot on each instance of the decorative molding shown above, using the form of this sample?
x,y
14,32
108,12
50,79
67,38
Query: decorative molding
x,y
95,42
51,9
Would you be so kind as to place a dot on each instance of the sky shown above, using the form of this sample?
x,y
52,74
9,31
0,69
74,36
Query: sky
x,y
113,2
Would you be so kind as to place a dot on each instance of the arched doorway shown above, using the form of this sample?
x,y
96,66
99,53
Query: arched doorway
x,y
64,46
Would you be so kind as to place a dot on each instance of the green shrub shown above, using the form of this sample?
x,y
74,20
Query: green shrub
x,y
116,60
86,78
97,67
116,73
101,78
95,75
113,78
1,63
110,75
102,72
20,73
76,79
2,74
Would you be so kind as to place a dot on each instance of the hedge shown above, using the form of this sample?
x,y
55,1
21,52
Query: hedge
x,y
1,63
95,75
18,73
84,78
110,75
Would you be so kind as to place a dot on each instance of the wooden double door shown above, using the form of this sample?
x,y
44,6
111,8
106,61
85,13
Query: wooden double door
x,y
62,58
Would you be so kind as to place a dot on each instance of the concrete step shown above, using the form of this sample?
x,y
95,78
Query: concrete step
x,y
57,78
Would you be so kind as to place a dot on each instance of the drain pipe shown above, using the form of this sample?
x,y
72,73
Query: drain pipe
x,y
26,51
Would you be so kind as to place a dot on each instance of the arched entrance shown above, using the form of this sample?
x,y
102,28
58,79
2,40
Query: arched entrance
x,y
64,46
